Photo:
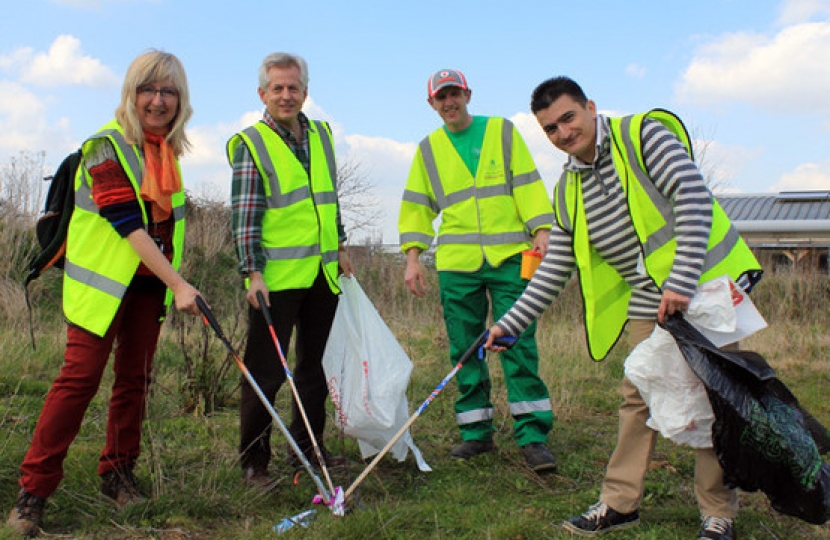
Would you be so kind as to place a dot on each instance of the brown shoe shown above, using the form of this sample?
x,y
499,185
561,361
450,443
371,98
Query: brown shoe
x,y
469,449
539,458
258,477
25,517
121,487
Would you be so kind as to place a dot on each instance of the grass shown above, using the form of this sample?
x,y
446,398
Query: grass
x,y
189,463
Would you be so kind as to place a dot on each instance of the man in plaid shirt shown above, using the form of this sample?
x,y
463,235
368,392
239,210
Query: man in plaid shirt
x,y
290,242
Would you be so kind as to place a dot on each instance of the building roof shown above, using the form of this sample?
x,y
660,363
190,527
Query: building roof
x,y
789,218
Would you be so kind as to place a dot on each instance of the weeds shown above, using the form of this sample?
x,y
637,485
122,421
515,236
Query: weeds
x,y
189,464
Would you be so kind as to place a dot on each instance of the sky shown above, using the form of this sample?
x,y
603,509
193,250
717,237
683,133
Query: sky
x,y
750,78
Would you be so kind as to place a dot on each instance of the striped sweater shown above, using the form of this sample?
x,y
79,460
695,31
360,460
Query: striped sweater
x,y
612,233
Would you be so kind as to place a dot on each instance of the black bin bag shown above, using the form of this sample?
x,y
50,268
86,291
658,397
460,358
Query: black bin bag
x,y
764,439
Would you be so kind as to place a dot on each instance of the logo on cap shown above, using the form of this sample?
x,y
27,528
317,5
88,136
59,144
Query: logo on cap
x,y
444,78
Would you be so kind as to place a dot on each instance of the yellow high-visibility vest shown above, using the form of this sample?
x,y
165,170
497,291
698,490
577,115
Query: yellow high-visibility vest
x,y
605,293
491,215
100,264
299,227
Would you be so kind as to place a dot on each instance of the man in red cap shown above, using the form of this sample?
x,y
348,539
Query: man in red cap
x,y
477,173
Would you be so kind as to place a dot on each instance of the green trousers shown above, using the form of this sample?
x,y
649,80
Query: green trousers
x,y
464,298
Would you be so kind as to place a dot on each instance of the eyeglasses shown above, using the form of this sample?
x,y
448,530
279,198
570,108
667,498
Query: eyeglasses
x,y
150,91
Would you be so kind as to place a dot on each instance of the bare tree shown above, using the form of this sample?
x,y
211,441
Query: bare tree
x,y
359,207
709,166
22,188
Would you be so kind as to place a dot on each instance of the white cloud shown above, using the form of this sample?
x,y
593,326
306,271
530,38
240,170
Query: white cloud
x,y
787,72
807,176
23,125
19,57
205,168
721,163
798,11
635,71
385,164
63,64
313,110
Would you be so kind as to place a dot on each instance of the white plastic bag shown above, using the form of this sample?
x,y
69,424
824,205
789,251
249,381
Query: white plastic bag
x,y
676,398
723,312
367,373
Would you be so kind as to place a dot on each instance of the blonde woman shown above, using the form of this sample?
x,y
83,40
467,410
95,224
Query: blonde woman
x,y
124,248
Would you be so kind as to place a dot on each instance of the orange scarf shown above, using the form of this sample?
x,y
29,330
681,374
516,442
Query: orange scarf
x,y
161,176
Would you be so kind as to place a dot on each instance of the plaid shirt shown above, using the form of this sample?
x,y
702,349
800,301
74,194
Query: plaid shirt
x,y
248,196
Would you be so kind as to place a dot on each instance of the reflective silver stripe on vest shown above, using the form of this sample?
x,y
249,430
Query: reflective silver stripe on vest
x,y
95,280
566,222
443,200
527,407
326,197
526,178
420,199
299,252
477,415
665,234
178,213
83,196
507,152
432,173
493,191
328,150
483,239
277,199
420,238
330,256
719,251
291,253
545,220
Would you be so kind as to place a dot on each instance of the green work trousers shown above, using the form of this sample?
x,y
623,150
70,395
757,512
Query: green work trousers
x,y
464,298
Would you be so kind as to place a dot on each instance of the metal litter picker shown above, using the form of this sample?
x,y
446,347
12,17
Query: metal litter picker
x,y
335,501
477,346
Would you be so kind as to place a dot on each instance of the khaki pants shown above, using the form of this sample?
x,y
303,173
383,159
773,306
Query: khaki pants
x,y
622,488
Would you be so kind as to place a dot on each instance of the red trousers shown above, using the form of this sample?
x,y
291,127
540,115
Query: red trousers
x,y
135,332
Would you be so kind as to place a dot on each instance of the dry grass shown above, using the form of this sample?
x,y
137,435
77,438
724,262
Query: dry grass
x,y
190,459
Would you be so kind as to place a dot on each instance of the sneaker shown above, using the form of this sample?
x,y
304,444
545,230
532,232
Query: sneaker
x,y
600,518
121,487
468,449
539,458
258,477
25,517
716,528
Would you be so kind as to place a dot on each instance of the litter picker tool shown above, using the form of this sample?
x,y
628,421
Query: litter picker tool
x,y
477,346
337,507
317,452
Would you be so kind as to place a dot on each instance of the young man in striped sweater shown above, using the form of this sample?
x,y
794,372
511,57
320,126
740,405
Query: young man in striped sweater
x,y
627,179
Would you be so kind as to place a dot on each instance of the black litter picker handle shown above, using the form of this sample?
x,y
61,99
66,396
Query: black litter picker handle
x,y
211,319
263,307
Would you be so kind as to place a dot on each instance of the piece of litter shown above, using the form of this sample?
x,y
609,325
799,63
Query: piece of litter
x,y
337,501
303,519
